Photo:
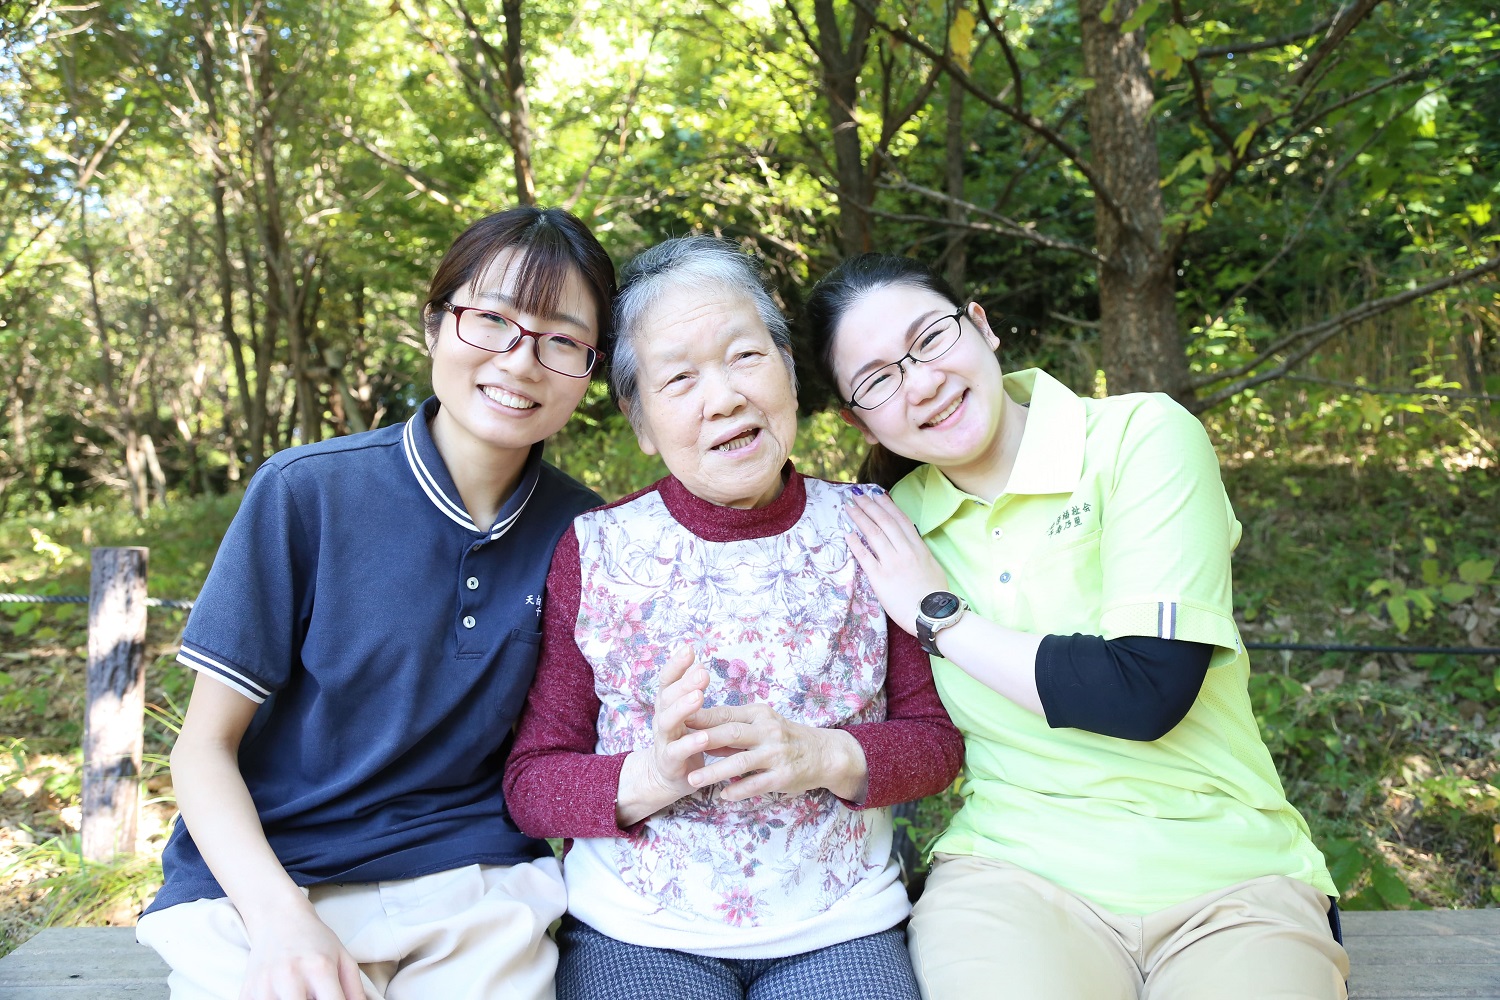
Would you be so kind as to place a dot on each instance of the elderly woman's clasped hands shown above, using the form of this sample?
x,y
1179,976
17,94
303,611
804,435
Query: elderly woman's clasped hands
x,y
764,751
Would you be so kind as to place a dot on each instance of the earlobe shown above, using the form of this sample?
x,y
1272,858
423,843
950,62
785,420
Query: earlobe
x,y
641,437
849,417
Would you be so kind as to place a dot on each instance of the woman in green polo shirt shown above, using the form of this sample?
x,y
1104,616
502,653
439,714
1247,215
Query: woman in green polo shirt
x,y
1066,562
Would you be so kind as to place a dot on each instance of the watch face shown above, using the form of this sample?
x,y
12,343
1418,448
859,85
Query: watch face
x,y
939,605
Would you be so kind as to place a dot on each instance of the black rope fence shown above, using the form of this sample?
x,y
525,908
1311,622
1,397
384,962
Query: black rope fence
x,y
1295,647
1351,647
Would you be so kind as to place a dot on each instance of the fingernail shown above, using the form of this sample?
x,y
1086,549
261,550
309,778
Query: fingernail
x,y
856,491
877,491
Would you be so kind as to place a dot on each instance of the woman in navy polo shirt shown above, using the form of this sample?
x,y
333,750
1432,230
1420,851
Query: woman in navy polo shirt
x,y
365,641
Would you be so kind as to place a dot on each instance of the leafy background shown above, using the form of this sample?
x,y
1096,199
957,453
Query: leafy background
x,y
217,219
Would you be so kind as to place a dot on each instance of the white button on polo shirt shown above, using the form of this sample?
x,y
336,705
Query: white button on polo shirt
x,y
472,583
468,621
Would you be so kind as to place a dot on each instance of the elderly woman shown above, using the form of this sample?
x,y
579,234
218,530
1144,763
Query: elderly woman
x,y
722,712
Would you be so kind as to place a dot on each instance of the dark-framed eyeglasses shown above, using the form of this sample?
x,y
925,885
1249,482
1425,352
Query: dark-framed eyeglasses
x,y
935,340
497,333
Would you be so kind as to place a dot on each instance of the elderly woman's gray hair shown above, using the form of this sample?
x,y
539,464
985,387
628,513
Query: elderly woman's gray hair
x,y
696,261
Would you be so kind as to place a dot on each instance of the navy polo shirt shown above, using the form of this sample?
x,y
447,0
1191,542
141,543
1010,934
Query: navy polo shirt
x,y
390,643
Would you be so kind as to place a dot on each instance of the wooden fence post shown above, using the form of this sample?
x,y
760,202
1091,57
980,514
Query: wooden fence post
x,y
115,709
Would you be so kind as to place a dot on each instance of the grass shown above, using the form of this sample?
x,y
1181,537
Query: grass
x,y
43,652
1392,758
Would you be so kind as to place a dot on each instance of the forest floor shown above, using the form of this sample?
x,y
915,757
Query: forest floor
x,y
1391,757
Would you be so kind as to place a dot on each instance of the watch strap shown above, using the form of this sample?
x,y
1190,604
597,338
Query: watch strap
x,y
927,638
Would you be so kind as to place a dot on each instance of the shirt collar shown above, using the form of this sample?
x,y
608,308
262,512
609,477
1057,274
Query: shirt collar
x,y
432,475
713,523
1050,459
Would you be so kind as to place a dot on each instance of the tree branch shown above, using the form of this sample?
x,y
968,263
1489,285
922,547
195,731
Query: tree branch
x,y
621,138
1016,78
808,37
1303,80
1020,117
478,88
1002,225
1344,22
891,124
1383,391
434,189
1087,324
1313,336
1279,41
87,169
1200,98
1313,212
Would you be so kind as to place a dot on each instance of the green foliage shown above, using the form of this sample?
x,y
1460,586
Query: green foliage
x,y
385,137
1387,756
1458,588
366,130
43,647
83,893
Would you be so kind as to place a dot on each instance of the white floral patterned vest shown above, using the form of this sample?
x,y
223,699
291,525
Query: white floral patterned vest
x,y
787,620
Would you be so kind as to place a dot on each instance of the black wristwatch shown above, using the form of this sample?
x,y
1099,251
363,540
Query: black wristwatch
x,y
937,611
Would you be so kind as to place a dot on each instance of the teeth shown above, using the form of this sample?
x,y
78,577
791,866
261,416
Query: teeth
x,y
735,444
945,414
506,399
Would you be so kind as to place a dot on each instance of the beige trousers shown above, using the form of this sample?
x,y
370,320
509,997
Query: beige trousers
x,y
474,933
988,929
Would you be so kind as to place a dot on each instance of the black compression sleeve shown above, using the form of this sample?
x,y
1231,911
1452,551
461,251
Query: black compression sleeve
x,y
1134,687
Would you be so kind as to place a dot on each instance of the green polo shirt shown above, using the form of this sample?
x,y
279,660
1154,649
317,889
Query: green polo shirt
x,y
1114,523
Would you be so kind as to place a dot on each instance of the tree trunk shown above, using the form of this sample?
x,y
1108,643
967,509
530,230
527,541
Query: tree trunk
x,y
840,63
208,71
282,305
123,428
520,108
309,297
956,253
1142,346
264,340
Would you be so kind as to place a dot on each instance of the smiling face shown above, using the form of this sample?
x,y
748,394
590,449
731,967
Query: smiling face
x,y
948,411
715,398
506,402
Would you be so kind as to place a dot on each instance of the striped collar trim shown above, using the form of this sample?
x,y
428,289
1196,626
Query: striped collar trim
x,y
432,476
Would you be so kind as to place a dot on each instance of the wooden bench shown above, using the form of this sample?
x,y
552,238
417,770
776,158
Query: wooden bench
x,y
1431,955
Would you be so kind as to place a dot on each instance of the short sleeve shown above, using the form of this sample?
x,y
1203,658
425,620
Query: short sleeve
x,y
246,625
1168,531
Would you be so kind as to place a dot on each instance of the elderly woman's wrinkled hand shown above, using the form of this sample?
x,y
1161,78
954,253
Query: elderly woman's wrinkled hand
x,y
676,749
653,779
770,753
888,548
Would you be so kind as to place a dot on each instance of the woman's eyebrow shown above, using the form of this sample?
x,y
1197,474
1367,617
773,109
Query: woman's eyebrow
x,y
506,300
911,331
